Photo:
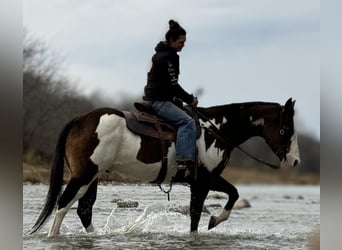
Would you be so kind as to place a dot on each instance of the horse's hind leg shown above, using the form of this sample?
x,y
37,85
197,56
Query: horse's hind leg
x,y
221,185
75,189
85,206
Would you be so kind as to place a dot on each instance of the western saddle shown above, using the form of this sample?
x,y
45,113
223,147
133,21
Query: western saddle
x,y
146,122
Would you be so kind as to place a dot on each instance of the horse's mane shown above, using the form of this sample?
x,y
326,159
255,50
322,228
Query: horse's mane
x,y
238,108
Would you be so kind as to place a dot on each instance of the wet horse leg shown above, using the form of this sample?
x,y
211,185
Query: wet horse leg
x,y
75,189
221,185
199,191
85,206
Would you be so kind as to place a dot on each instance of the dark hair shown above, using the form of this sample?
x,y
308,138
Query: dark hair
x,y
175,30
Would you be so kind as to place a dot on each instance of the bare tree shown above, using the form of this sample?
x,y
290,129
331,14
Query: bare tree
x,y
49,99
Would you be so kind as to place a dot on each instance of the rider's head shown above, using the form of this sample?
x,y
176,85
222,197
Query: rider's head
x,y
175,36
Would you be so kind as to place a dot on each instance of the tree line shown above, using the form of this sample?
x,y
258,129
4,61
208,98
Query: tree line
x,y
50,101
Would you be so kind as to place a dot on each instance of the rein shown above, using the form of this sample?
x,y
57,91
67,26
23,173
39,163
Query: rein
x,y
220,137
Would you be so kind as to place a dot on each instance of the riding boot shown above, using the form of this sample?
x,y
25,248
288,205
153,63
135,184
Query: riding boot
x,y
183,168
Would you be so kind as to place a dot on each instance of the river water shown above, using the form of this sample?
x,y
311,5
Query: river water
x,y
280,217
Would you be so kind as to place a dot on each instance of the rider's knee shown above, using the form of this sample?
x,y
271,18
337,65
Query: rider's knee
x,y
191,123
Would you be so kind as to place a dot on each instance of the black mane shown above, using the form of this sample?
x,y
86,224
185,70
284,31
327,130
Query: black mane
x,y
240,110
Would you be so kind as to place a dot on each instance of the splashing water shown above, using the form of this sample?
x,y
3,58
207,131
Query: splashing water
x,y
277,219
155,219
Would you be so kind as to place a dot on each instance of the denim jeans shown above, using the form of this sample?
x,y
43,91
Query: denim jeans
x,y
186,133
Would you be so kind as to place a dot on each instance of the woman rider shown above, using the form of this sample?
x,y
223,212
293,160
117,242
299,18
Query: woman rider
x,y
163,92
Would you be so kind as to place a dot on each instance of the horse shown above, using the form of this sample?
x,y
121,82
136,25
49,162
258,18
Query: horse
x,y
100,141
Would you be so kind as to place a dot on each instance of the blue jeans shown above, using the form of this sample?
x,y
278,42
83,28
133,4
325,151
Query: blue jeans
x,y
186,133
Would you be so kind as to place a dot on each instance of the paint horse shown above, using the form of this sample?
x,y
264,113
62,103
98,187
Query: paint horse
x,y
100,141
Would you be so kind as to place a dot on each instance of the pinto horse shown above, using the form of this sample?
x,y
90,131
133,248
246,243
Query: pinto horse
x,y
99,141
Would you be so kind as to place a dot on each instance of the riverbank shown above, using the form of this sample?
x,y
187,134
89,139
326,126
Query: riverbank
x,y
235,175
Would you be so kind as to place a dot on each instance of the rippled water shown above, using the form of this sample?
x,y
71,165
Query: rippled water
x,y
280,217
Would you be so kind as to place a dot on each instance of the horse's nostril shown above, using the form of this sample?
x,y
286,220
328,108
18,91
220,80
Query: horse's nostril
x,y
295,163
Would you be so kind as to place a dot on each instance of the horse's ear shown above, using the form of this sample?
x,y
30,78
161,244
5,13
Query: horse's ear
x,y
289,103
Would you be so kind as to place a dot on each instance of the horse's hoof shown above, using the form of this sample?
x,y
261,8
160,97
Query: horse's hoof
x,y
212,222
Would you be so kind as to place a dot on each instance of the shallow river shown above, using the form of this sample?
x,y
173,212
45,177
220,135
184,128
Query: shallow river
x,y
280,217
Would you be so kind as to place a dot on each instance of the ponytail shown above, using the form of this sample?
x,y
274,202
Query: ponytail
x,y
175,30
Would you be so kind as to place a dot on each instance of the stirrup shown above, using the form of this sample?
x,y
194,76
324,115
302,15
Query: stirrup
x,y
185,164
181,167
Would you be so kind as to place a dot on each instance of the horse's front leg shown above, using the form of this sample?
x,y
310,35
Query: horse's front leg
x,y
199,192
221,185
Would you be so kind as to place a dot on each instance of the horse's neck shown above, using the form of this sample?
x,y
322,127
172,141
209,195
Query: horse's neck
x,y
229,133
241,121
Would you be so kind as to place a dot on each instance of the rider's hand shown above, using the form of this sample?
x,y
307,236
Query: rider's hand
x,y
194,101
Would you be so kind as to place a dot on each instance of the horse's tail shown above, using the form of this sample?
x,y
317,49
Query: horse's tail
x,y
56,178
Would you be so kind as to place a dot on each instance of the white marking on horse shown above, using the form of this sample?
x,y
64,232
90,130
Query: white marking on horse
x,y
90,228
118,148
224,121
57,221
60,213
109,131
293,156
212,121
257,122
212,156
223,216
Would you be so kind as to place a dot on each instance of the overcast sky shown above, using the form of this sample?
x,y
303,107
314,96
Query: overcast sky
x,y
236,50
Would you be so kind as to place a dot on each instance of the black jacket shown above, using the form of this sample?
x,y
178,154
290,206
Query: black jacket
x,y
162,79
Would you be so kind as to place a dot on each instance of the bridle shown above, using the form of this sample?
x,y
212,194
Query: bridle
x,y
282,132
213,130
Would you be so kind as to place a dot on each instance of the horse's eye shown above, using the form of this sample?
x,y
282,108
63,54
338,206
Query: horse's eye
x,y
282,131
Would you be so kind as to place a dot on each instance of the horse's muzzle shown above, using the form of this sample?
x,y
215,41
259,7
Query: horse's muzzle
x,y
291,160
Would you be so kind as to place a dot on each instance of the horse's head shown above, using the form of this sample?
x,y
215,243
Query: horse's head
x,y
281,136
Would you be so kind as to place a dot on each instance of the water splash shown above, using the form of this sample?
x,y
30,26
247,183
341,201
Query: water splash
x,y
156,219
271,223
109,222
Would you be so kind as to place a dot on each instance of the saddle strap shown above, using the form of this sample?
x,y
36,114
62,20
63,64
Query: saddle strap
x,y
163,170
